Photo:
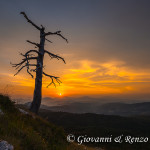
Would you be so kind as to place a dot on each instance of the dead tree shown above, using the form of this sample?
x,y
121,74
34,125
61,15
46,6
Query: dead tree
x,y
38,67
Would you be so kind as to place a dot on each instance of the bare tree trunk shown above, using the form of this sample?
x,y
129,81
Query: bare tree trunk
x,y
35,105
25,63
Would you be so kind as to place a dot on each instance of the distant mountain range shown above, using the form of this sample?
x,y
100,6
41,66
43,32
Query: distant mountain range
x,y
117,108
51,101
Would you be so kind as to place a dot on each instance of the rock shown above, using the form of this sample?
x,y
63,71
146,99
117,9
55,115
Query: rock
x,y
23,111
4,145
1,112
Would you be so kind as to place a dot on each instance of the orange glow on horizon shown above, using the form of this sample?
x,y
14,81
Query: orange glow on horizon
x,y
90,78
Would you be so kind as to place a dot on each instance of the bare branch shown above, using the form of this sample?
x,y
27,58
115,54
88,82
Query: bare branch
x,y
19,70
24,14
30,73
17,65
54,56
56,33
23,61
26,59
27,69
52,79
30,51
30,58
48,40
36,44
34,70
32,65
28,66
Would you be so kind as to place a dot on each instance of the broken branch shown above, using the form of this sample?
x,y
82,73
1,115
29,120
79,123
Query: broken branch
x,y
24,14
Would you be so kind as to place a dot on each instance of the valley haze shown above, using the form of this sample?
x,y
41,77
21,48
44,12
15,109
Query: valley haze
x,y
95,105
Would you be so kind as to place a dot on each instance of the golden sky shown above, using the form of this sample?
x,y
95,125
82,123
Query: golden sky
x,y
107,54
89,78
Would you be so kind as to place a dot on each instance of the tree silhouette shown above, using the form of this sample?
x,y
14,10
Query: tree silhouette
x,y
38,66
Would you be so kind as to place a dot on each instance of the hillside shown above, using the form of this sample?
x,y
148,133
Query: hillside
x,y
26,131
95,125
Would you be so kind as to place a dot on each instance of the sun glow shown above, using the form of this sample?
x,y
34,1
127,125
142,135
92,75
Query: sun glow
x,y
60,94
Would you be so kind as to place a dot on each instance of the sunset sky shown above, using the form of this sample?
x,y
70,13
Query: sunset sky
x,y
108,51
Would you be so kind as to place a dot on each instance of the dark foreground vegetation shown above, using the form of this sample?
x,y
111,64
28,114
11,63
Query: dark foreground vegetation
x,y
95,125
30,132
